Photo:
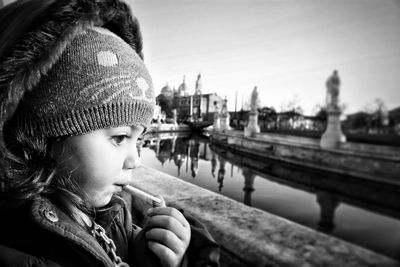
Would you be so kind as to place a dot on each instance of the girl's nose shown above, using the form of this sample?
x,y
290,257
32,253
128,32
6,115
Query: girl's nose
x,y
132,159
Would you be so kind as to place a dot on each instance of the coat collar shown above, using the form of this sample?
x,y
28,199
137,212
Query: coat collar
x,y
51,218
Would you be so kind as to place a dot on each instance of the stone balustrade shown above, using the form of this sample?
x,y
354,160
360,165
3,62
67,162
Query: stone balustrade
x,y
371,162
251,237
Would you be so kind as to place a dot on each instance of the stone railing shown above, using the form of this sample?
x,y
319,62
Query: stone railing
x,y
377,163
251,237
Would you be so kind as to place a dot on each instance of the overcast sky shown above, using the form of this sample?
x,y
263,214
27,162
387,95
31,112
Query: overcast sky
x,y
285,48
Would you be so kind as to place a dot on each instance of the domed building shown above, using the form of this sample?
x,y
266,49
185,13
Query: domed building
x,y
198,107
167,91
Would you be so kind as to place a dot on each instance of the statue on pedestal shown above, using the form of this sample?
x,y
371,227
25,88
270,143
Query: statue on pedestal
x,y
332,94
252,126
333,136
224,116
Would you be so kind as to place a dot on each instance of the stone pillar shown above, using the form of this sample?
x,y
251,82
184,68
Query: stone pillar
x,y
252,126
333,136
328,204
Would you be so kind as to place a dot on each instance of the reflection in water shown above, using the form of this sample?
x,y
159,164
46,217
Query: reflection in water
x,y
248,188
328,204
194,157
213,163
221,172
309,197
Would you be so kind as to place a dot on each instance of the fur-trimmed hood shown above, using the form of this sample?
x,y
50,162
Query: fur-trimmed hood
x,y
25,61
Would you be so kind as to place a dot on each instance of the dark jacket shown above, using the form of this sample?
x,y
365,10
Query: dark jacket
x,y
39,234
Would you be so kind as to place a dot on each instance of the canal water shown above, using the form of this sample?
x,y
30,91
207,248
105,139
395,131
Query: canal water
x,y
364,215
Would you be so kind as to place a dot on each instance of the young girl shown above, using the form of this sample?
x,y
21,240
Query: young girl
x,y
75,97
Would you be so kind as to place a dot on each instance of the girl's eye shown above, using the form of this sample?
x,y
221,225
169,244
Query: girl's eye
x,y
119,139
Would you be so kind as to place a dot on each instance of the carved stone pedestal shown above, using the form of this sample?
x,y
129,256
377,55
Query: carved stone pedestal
x,y
252,127
224,123
333,136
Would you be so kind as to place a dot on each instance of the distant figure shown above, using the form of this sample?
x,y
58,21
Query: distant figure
x,y
254,99
332,85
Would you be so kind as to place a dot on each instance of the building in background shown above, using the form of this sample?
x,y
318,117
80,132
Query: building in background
x,y
196,106
377,122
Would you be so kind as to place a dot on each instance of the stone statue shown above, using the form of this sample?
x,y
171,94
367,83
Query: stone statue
x,y
332,94
217,109
333,136
252,125
254,99
199,85
224,109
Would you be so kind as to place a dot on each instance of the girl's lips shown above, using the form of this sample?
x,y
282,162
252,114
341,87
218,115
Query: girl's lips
x,y
122,183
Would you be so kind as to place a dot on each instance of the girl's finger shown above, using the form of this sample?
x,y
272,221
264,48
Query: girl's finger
x,y
169,223
166,255
169,212
166,238
162,204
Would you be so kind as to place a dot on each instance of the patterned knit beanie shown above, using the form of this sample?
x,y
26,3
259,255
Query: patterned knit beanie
x,y
77,66
98,82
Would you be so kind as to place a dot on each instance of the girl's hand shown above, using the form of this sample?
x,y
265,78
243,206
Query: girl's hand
x,y
168,235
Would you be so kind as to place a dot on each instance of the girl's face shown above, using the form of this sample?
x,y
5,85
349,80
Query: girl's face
x,y
100,162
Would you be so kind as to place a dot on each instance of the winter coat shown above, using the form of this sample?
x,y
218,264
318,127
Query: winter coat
x,y
40,234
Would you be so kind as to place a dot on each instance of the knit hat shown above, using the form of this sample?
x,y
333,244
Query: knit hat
x,y
98,82
79,77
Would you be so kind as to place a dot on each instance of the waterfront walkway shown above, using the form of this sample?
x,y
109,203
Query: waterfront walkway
x,y
368,162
